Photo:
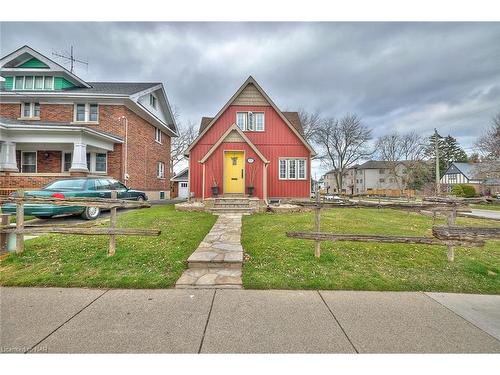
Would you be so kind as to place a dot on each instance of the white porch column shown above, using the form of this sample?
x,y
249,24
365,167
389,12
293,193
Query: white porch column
x,y
8,157
79,160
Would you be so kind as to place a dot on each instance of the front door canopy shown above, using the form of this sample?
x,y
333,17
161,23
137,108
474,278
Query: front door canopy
x,y
233,127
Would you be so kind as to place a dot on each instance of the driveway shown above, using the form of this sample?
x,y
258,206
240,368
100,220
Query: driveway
x,y
486,214
73,320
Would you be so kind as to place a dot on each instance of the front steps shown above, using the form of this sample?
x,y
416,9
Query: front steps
x,y
238,205
218,260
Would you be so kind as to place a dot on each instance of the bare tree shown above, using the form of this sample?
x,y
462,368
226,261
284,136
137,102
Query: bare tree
x,y
186,135
342,144
310,123
403,154
489,146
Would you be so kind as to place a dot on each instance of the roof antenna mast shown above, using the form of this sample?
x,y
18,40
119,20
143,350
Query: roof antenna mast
x,y
71,59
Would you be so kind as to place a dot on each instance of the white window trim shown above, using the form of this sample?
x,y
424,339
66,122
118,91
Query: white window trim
x,y
32,111
23,85
36,160
287,167
87,114
62,160
245,125
162,175
94,163
160,138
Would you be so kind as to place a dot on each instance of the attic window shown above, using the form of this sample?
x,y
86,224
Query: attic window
x,y
250,121
152,101
33,83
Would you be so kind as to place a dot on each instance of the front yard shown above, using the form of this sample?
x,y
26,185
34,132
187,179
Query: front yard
x,y
140,262
278,262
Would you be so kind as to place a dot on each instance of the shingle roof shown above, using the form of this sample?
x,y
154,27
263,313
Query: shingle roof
x,y
118,88
293,117
375,164
466,168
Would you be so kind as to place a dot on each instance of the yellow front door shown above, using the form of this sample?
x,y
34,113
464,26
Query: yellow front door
x,y
234,172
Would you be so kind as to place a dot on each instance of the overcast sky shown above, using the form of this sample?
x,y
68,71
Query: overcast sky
x,y
396,76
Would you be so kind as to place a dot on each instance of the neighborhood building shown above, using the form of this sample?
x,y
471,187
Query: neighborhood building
x,y
250,148
369,178
472,174
54,124
180,184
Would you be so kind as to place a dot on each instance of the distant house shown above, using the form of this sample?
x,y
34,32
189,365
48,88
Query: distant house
x,y
180,184
470,173
367,177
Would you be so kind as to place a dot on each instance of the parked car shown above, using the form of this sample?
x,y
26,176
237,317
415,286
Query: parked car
x,y
91,187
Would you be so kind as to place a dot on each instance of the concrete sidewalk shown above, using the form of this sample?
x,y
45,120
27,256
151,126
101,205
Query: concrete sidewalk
x,y
71,320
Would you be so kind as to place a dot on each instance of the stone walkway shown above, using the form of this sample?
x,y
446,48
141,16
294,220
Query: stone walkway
x,y
218,260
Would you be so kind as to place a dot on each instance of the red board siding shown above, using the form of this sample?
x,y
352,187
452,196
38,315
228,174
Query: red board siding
x,y
276,141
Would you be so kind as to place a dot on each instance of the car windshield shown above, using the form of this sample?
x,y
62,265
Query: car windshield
x,y
77,184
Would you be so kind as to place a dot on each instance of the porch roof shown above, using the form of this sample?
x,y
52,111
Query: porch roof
x,y
232,128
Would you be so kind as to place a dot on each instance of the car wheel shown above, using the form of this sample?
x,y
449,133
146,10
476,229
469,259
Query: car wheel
x,y
91,213
140,198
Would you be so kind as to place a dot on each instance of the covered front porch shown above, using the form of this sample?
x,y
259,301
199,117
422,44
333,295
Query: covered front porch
x,y
33,155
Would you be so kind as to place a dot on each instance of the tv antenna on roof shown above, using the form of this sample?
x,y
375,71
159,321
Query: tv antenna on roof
x,y
71,59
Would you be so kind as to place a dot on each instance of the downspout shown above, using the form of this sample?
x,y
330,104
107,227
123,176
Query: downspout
x,y
125,152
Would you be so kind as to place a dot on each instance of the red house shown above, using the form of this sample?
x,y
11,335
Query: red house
x,y
250,148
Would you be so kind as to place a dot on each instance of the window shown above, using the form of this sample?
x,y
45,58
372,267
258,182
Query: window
x,y
250,121
101,162
19,83
241,120
30,110
259,122
157,135
152,101
162,195
292,169
67,159
160,170
381,180
184,184
28,83
48,83
38,83
93,114
86,113
28,162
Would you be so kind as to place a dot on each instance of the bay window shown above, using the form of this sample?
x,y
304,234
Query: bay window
x,y
292,169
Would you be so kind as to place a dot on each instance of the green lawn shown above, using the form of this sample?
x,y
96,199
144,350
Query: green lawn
x,y
278,262
140,262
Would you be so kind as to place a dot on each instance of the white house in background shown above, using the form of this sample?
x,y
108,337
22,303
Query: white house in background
x,y
460,173
180,184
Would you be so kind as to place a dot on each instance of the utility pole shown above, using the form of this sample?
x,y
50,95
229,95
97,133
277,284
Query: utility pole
x,y
71,59
436,148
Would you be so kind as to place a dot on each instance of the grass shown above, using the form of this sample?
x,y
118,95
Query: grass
x,y
491,207
139,262
278,262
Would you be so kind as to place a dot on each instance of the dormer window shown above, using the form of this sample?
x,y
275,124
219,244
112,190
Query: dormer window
x,y
30,110
152,101
86,113
33,83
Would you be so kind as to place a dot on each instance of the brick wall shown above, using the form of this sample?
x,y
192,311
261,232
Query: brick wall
x,y
49,162
143,151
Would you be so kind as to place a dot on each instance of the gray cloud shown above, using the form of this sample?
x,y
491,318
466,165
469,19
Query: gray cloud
x,y
404,76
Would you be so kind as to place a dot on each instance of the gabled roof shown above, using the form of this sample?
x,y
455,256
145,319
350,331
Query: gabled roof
x,y
467,169
181,176
232,128
250,80
26,53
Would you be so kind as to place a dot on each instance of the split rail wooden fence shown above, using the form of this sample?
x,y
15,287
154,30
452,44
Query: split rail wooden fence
x,y
449,236
112,231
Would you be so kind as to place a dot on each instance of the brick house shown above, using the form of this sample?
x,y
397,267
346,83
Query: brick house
x,y
252,148
53,124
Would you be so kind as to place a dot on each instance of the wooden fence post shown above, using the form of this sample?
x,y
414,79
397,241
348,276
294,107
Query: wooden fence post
x,y
20,223
112,225
317,225
452,215
4,221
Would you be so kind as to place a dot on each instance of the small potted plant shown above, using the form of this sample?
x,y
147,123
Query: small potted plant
x,y
251,187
